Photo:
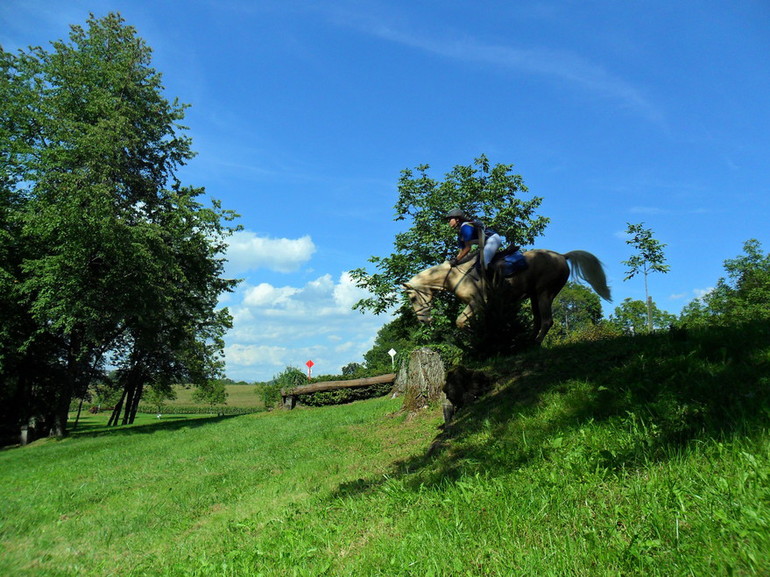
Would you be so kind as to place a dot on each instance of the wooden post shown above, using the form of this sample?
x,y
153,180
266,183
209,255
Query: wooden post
x,y
289,401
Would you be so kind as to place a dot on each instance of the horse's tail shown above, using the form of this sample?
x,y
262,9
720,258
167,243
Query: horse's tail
x,y
586,266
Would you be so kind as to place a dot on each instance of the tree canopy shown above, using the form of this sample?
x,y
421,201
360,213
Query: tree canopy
x,y
493,194
632,317
742,295
108,257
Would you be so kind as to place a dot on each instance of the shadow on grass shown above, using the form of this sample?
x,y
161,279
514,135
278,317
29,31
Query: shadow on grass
x,y
166,423
658,392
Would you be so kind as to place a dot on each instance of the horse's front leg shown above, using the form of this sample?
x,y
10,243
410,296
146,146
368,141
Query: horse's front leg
x,y
465,316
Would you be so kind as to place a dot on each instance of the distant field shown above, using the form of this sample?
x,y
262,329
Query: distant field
x,y
241,396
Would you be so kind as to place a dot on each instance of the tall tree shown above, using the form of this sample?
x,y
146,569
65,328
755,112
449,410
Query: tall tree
x,y
107,228
649,258
490,193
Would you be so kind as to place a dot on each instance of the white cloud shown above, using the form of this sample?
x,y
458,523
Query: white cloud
x,y
700,293
695,294
264,294
248,251
275,327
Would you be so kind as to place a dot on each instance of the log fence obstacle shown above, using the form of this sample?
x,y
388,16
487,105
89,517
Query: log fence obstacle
x,y
289,396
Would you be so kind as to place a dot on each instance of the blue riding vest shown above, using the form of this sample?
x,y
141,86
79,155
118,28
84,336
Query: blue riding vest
x,y
469,233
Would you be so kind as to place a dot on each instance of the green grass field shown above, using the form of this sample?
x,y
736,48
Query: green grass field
x,y
631,457
241,396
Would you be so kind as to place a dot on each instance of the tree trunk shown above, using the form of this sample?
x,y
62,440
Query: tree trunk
x,y
135,404
423,379
130,390
116,410
77,418
61,414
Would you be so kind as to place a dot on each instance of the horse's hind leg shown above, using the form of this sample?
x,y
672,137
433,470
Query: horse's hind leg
x,y
544,316
536,317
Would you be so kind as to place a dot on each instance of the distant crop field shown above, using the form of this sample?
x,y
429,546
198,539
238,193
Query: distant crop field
x,y
240,396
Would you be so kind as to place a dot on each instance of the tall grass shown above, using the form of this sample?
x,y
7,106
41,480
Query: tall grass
x,y
625,457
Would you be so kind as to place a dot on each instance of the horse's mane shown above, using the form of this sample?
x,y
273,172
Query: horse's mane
x,y
435,277
426,278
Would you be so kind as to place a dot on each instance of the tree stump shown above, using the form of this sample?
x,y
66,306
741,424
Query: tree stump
x,y
463,386
422,380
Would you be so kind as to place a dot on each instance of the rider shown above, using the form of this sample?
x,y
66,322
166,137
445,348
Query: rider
x,y
468,233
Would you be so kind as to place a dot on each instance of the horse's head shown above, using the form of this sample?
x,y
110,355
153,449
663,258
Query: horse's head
x,y
420,297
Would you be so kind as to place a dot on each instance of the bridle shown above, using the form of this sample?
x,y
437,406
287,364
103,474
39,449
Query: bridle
x,y
420,296
421,299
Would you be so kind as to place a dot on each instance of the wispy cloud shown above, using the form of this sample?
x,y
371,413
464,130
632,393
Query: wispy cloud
x,y
557,65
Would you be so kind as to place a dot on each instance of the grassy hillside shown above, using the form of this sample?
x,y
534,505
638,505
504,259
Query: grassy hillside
x,y
645,456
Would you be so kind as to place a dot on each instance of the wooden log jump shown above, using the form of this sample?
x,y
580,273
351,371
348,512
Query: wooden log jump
x,y
289,396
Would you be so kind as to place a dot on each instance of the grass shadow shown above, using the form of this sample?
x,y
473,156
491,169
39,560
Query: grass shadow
x,y
167,423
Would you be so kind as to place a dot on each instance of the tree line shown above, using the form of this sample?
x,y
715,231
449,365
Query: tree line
x,y
107,260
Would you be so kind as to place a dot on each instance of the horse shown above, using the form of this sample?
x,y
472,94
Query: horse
x,y
545,275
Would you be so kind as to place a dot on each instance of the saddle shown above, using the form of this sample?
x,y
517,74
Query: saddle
x,y
507,262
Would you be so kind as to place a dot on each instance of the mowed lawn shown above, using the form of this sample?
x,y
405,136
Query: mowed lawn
x,y
164,496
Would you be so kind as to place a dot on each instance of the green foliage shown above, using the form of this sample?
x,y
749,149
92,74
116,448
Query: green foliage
x,y
648,259
212,393
342,396
175,409
353,369
745,293
108,257
401,334
741,296
491,193
156,397
632,317
499,329
576,310
289,378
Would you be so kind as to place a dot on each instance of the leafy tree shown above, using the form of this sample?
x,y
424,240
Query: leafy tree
x,y
745,293
491,193
212,393
352,369
574,309
121,263
696,313
157,397
632,317
289,378
648,259
399,334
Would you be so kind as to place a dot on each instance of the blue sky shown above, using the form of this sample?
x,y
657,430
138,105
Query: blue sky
x,y
304,113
